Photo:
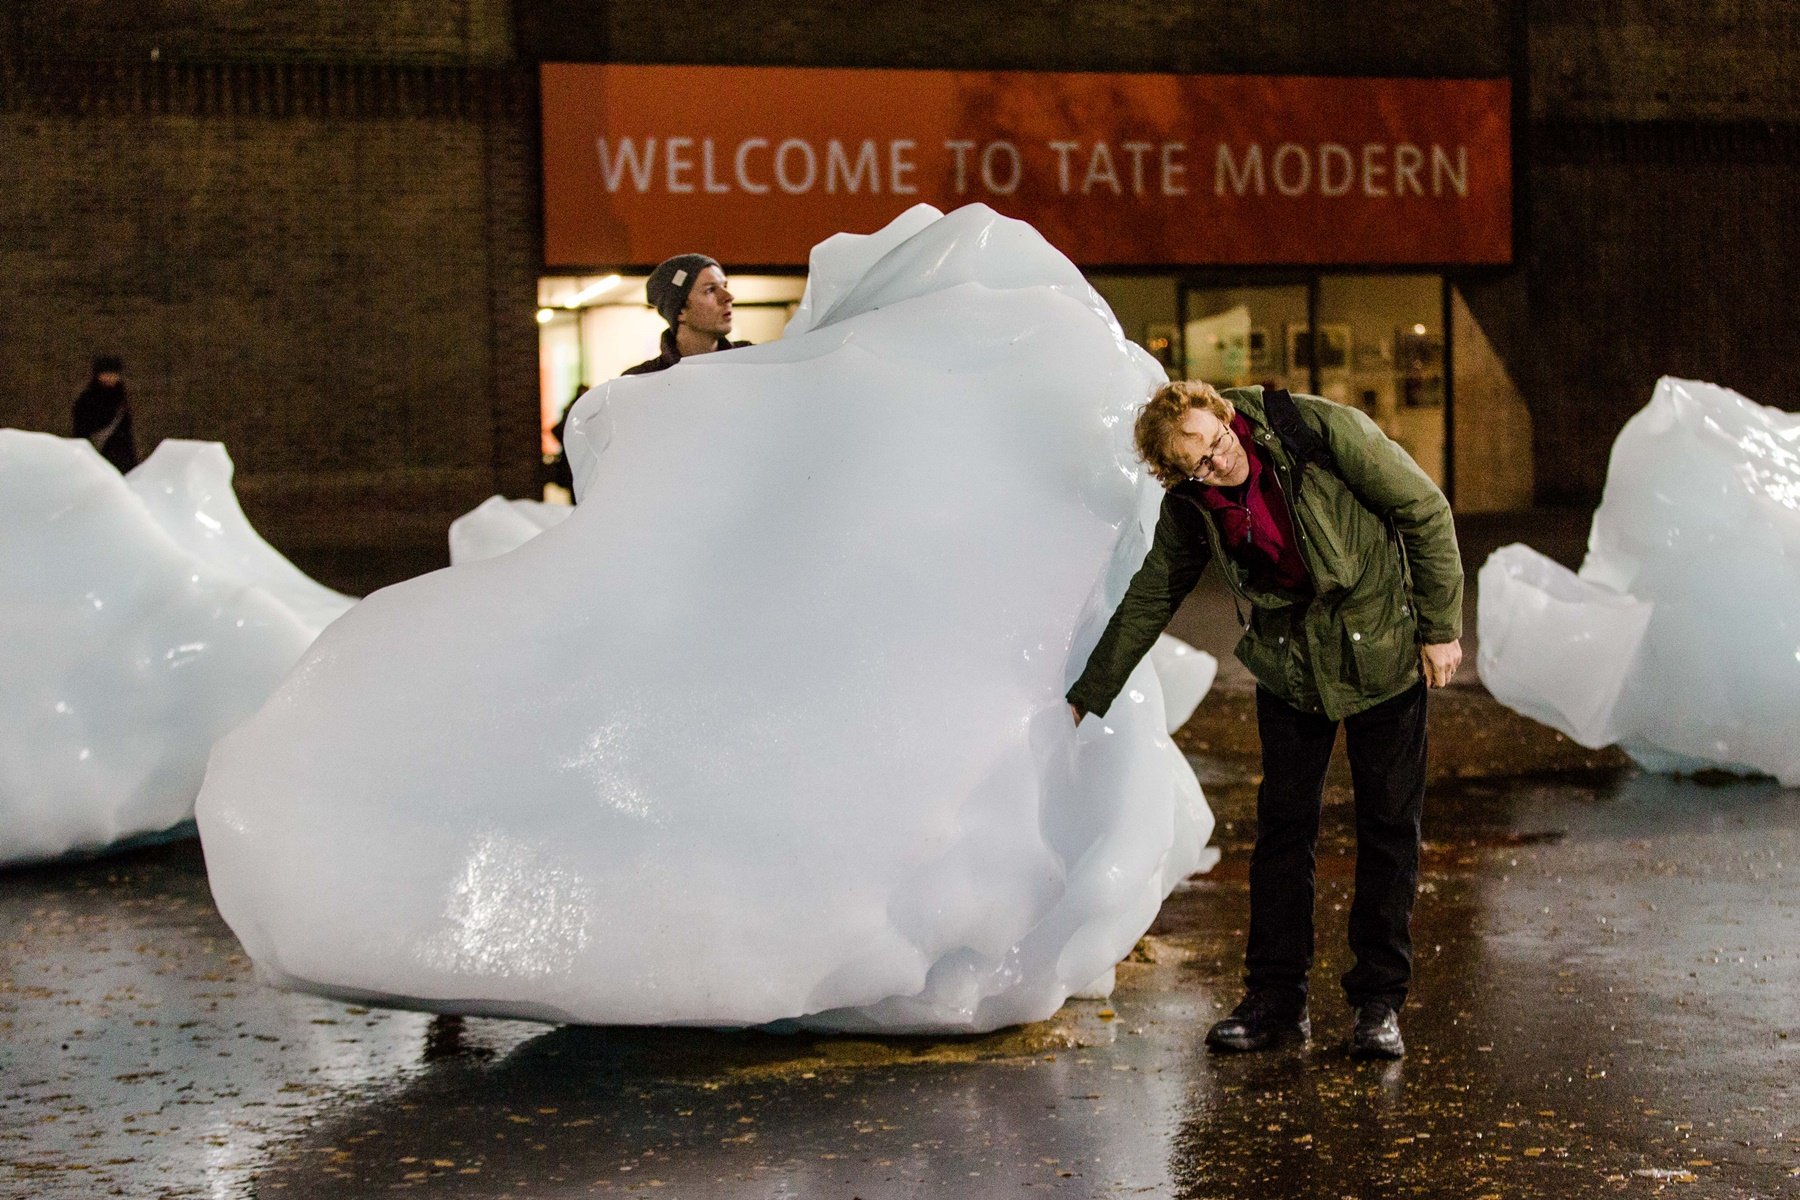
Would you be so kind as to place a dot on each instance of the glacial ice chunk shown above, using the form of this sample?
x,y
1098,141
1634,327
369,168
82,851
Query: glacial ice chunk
x,y
140,618
771,728
498,525
1554,646
1186,675
1680,639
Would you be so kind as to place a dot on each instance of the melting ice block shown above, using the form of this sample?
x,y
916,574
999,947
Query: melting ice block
x,y
1680,639
770,729
497,526
1557,647
1186,675
140,618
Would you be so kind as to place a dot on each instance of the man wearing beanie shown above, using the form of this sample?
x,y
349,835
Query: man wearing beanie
x,y
690,292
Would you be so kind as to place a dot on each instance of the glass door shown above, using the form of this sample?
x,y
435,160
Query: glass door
x,y
1233,336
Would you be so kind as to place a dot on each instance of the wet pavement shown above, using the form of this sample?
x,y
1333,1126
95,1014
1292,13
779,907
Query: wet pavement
x,y
1608,1001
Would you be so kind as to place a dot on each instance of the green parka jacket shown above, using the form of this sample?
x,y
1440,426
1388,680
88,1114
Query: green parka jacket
x,y
1377,539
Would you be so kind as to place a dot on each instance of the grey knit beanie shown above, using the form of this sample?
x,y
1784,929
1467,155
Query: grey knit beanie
x,y
671,282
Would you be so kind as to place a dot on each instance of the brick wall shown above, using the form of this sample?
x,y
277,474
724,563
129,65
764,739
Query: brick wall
x,y
1436,37
1652,60
329,268
1661,157
461,32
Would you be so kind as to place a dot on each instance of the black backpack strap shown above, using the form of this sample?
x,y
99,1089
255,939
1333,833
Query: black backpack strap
x,y
1302,442
1305,444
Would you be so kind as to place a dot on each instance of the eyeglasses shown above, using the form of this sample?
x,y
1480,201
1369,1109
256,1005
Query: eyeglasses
x,y
1204,467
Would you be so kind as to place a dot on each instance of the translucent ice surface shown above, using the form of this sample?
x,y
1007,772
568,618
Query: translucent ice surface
x,y
497,525
1186,675
140,618
771,729
1680,638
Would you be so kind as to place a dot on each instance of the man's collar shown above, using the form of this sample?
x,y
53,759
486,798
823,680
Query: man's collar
x,y
671,352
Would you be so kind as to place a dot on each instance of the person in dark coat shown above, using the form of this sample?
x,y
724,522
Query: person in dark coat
x,y
103,413
1343,553
690,292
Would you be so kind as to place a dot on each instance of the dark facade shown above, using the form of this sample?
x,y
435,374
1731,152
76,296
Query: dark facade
x,y
312,229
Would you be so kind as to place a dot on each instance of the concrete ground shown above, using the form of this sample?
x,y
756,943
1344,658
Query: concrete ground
x,y
1607,1002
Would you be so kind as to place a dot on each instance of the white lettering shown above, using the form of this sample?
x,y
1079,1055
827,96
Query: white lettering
x,y
712,184
742,161
613,170
675,157
1441,168
1171,168
961,151
1289,184
1408,158
1249,177
838,163
1373,170
781,166
899,166
1137,150
1330,153
993,182
1062,163
1100,170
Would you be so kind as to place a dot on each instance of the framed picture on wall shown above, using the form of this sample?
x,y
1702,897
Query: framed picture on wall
x,y
1259,351
1419,367
1333,349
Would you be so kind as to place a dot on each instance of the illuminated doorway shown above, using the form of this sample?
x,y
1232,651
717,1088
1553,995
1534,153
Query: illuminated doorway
x,y
591,328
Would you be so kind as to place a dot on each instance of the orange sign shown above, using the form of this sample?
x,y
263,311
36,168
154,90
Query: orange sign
x,y
755,164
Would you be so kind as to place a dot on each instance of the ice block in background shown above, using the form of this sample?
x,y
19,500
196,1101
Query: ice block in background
x,y
1680,640
498,525
772,727
140,618
1554,646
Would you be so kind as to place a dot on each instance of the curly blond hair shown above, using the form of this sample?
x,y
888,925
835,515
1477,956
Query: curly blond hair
x,y
1160,420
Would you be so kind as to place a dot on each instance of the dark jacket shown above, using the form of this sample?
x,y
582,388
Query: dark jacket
x,y
1378,542
99,407
671,354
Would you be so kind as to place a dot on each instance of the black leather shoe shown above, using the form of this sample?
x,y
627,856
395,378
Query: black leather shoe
x,y
1377,1032
1260,1021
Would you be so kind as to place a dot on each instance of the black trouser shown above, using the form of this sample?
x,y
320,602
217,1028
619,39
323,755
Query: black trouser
x,y
1386,745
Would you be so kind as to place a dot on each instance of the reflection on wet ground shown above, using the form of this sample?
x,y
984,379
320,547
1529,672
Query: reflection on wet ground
x,y
1608,1001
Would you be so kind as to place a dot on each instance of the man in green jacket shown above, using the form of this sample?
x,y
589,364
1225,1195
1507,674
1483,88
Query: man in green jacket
x,y
1343,554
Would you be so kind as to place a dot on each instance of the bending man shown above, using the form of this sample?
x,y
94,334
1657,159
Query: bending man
x,y
1343,554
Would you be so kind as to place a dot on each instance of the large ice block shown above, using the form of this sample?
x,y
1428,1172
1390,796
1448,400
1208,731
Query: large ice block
x,y
1186,675
498,526
771,729
140,618
1680,640
1554,646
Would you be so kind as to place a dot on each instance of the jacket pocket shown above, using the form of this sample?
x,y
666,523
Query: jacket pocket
x,y
1267,648
1382,646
